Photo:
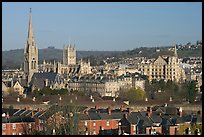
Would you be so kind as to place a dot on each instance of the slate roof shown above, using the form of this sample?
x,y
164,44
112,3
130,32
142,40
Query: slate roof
x,y
165,122
94,116
133,117
196,119
177,120
10,111
17,119
23,82
84,117
156,118
17,113
39,78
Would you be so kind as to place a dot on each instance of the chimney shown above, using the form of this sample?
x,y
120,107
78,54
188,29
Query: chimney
x,y
125,115
46,83
32,114
96,107
109,110
149,111
199,112
38,109
86,112
7,115
180,111
121,108
129,110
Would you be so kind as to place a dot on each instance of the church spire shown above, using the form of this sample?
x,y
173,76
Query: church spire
x,y
175,51
30,29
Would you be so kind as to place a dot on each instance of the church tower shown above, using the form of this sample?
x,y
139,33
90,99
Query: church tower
x,y
30,54
69,55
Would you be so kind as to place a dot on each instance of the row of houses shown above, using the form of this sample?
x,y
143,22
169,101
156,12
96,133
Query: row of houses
x,y
94,121
105,85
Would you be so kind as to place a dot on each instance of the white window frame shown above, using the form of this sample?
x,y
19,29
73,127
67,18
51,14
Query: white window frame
x,y
94,132
3,126
94,123
134,127
41,128
108,123
14,126
29,126
85,123
41,120
14,133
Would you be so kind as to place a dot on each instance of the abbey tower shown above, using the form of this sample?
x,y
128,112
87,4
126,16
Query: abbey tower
x,y
69,55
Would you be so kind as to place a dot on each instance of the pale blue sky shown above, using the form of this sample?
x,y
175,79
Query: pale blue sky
x,y
102,26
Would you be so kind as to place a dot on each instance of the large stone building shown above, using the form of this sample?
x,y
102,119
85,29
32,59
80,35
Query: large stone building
x,y
104,85
69,65
30,54
167,68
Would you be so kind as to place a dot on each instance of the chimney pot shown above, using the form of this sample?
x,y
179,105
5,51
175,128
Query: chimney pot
x,y
109,110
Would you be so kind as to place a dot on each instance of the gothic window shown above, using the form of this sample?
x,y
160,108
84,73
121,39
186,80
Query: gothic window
x,y
32,65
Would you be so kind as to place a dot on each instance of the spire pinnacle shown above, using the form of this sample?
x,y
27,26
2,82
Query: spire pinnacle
x,y
175,51
30,29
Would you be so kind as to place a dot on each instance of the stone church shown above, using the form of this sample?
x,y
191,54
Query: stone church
x,y
30,54
68,67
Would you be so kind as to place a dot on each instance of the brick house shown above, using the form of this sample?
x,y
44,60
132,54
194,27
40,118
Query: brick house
x,y
95,120
15,125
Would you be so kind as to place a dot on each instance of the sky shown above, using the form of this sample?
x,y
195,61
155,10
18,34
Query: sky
x,y
102,26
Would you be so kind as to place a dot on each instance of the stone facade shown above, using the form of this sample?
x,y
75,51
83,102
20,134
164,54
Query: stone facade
x,y
167,68
69,55
30,54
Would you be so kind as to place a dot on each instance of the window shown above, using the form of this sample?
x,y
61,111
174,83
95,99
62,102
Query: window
x,y
134,127
14,126
94,132
108,123
4,127
41,128
85,123
94,123
41,121
29,125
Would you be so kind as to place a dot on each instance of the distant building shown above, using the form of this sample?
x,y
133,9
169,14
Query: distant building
x,y
167,68
69,55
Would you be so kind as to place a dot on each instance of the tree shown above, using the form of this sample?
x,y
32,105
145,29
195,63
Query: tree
x,y
162,84
135,94
192,91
